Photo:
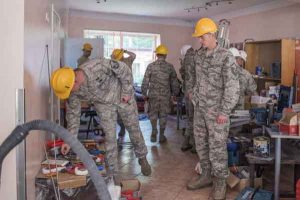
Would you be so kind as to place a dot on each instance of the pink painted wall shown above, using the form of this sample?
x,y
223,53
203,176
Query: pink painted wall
x,y
36,81
174,37
273,24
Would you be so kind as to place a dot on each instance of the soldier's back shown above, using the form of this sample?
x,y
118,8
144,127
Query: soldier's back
x,y
160,77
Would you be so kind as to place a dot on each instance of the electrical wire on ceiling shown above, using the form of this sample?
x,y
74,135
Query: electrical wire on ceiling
x,y
208,5
99,1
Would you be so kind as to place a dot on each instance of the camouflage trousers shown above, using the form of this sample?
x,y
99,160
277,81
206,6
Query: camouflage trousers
x,y
211,142
129,115
108,120
189,108
159,108
122,126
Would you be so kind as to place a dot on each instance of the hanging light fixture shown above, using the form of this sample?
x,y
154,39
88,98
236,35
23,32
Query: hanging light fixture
x,y
99,1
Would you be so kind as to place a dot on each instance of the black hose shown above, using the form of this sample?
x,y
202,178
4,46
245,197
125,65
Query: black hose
x,y
21,131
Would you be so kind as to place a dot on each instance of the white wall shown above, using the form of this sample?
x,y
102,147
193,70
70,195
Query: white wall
x,y
11,78
173,36
268,25
36,80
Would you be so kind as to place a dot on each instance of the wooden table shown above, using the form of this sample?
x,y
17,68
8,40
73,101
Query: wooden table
x,y
278,136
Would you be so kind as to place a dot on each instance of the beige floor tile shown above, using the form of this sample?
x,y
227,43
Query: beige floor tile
x,y
171,168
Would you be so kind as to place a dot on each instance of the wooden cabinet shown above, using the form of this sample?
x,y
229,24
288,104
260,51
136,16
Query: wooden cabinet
x,y
264,53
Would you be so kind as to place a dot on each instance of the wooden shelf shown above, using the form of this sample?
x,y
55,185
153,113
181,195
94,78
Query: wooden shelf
x,y
267,78
264,53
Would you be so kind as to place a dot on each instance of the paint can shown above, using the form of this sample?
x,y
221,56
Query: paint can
x,y
261,146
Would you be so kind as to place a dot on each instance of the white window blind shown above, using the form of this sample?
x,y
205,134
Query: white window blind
x,y
142,44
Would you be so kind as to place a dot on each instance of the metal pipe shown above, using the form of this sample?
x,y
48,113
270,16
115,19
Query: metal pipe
x,y
277,167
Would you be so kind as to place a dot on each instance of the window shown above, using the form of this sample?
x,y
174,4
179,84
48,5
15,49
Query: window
x,y
142,44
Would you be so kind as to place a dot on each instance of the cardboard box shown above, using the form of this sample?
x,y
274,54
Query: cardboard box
x,y
259,100
66,181
246,183
239,184
289,124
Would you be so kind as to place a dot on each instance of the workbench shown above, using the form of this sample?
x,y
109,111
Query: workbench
x,y
278,136
285,154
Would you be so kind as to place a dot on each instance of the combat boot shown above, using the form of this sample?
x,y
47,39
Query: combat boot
x,y
201,181
162,137
186,144
145,167
219,189
153,136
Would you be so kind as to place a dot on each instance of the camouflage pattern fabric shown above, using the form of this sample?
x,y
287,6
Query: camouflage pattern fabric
x,y
129,114
82,60
106,82
215,92
247,87
185,71
128,61
187,68
189,107
159,83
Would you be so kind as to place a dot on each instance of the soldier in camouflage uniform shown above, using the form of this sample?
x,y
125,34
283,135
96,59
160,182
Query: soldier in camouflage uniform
x,y
186,64
118,54
214,94
159,83
107,84
87,50
247,83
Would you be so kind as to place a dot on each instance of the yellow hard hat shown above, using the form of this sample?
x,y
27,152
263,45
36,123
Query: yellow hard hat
x,y
62,82
161,49
117,54
87,47
203,26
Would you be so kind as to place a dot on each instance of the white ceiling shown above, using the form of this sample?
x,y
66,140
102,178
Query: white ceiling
x,y
174,9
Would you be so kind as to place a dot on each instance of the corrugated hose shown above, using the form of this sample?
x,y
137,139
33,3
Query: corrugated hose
x,y
21,132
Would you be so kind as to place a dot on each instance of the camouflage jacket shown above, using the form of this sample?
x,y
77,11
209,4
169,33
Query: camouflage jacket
x,y
82,60
247,86
106,82
216,85
160,79
187,68
128,61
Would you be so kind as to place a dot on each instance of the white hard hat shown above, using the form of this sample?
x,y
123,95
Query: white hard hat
x,y
184,49
234,51
243,55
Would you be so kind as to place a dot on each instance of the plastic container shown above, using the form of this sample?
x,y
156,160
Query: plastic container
x,y
258,70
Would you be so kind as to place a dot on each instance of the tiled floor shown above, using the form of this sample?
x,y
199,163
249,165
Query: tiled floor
x,y
171,168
